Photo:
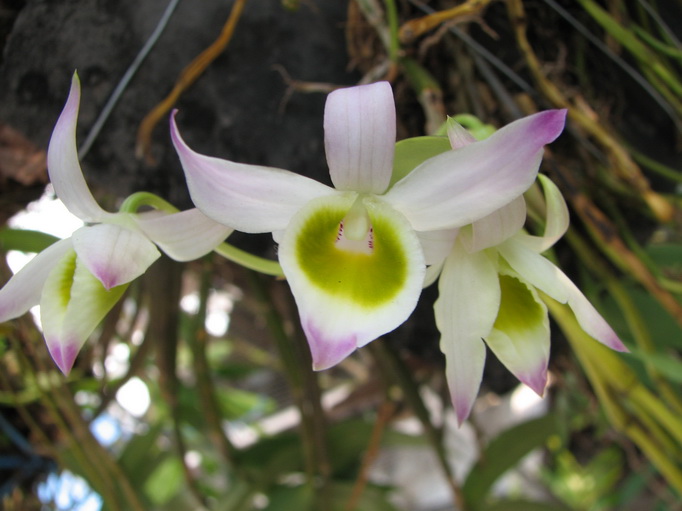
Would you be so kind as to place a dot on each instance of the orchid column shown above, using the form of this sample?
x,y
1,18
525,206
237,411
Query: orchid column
x,y
355,255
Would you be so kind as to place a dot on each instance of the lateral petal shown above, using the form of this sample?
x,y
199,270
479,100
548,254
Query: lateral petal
x,y
23,290
520,338
437,244
249,198
535,269
556,218
350,292
359,137
589,318
114,254
63,165
545,276
72,304
495,228
459,187
186,235
468,301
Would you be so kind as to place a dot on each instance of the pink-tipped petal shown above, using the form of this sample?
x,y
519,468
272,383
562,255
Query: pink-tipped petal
x,y
459,187
63,353
326,351
495,228
184,236
545,276
72,304
248,198
589,318
63,165
359,136
114,254
520,338
468,301
23,290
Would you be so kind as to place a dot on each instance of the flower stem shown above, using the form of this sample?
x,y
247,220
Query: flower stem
x,y
253,262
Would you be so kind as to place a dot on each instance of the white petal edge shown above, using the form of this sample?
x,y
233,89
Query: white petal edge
x,y
23,290
497,227
186,235
114,254
459,187
467,305
589,318
248,198
334,325
437,244
63,165
359,136
556,218
458,135
535,269
545,276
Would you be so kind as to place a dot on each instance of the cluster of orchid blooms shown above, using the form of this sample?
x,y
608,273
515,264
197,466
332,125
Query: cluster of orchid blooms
x,y
356,256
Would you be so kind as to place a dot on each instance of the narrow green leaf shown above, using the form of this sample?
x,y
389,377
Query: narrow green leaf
x,y
25,240
503,453
524,505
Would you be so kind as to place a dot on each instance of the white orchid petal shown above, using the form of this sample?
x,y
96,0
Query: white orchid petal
x,y
459,187
114,254
359,136
63,165
497,227
545,276
458,135
349,292
249,198
437,244
534,269
186,235
23,290
520,338
71,306
469,298
589,318
556,221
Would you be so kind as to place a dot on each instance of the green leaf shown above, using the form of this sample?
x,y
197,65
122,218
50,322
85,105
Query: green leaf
x,y
412,152
165,482
666,364
524,505
25,240
503,453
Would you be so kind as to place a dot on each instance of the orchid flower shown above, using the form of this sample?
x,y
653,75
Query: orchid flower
x,y
488,290
355,255
78,280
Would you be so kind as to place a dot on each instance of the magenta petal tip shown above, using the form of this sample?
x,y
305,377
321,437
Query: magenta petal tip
x,y
64,355
327,352
537,380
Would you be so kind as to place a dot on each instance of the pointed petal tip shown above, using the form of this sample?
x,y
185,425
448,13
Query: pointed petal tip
x,y
552,123
536,380
462,408
63,354
326,351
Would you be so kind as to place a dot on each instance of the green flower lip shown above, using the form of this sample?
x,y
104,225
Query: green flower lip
x,y
369,272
